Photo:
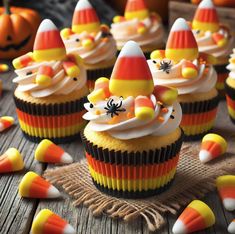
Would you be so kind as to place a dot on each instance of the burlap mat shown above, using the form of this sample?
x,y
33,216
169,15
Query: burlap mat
x,y
193,180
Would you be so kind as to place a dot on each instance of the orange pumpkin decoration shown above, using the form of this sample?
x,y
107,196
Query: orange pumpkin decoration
x,y
226,3
18,28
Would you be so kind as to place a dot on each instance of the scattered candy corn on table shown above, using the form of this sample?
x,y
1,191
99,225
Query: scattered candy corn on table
x,y
16,213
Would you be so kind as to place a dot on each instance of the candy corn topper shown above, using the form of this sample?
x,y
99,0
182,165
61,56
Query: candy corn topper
x,y
231,227
48,44
34,186
196,216
6,122
48,222
85,18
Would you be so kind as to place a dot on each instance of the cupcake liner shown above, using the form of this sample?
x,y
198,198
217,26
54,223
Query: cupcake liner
x,y
132,174
198,118
222,73
230,100
60,122
94,74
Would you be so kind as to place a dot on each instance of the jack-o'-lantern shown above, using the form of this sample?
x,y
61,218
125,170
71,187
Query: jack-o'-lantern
x,y
18,28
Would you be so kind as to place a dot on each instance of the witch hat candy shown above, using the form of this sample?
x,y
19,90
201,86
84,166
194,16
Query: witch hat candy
x,y
196,216
48,44
85,18
136,9
131,75
49,152
34,186
206,17
181,43
47,222
11,161
226,188
231,227
6,122
213,145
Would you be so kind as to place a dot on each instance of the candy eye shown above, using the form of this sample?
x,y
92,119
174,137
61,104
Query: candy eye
x,y
29,73
198,32
154,62
77,40
91,105
75,79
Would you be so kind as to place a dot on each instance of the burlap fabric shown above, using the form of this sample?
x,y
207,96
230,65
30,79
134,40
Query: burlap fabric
x,y
193,180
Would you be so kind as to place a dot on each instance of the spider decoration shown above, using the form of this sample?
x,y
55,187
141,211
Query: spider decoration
x,y
198,31
165,66
113,108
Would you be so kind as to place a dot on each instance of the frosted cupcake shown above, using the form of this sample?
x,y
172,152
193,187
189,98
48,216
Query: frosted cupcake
x,y
230,87
90,40
182,67
213,38
133,139
139,25
51,89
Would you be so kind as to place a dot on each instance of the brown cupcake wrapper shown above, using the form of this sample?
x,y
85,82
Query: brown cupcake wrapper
x,y
230,91
221,68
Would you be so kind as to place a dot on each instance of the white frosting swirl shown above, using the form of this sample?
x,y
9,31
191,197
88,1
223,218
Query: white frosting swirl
x,y
132,127
204,82
61,84
127,30
231,66
207,45
104,49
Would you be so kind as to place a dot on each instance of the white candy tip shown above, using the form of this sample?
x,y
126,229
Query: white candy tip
x,y
231,228
69,229
1,127
206,4
131,49
53,192
82,5
66,158
204,156
179,228
229,204
180,25
47,25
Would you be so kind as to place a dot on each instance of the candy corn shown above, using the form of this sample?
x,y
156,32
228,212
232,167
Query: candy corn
x,y
213,145
34,186
75,58
88,43
23,60
11,161
157,54
208,58
3,67
189,70
196,216
131,75
6,122
164,94
44,76
231,227
49,152
101,90
66,32
141,28
136,9
71,68
144,108
219,39
47,222
226,188
118,19
48,44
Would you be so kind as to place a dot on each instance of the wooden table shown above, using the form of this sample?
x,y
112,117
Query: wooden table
x,y
17,214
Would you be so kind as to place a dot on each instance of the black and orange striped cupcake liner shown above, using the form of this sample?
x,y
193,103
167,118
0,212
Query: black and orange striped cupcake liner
x,y
132,174
198,118
60,123
230,99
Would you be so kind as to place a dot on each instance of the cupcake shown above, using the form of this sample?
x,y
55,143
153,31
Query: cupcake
x,y
182,67
133,139
92,41
213,38
139,25
51,89
230,88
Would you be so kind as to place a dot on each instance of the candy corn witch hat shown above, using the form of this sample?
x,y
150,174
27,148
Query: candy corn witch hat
x,y
47,222
131,75
181,43
48,44
206,18
196,216
136,9
85,18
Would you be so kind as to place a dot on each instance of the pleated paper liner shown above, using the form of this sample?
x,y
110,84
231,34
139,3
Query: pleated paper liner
x,y
94,74
198,118
60,122
133,174
230,100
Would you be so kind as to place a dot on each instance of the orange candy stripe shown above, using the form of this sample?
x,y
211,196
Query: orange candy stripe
x,y
25,60
199,118
85,16
222,77
44,40
45,70
136,6
230,102
227,192
50,121
5,123
5,164
35,191
139,71
194,218
143,101
206,15
53,154
54,224
214,148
